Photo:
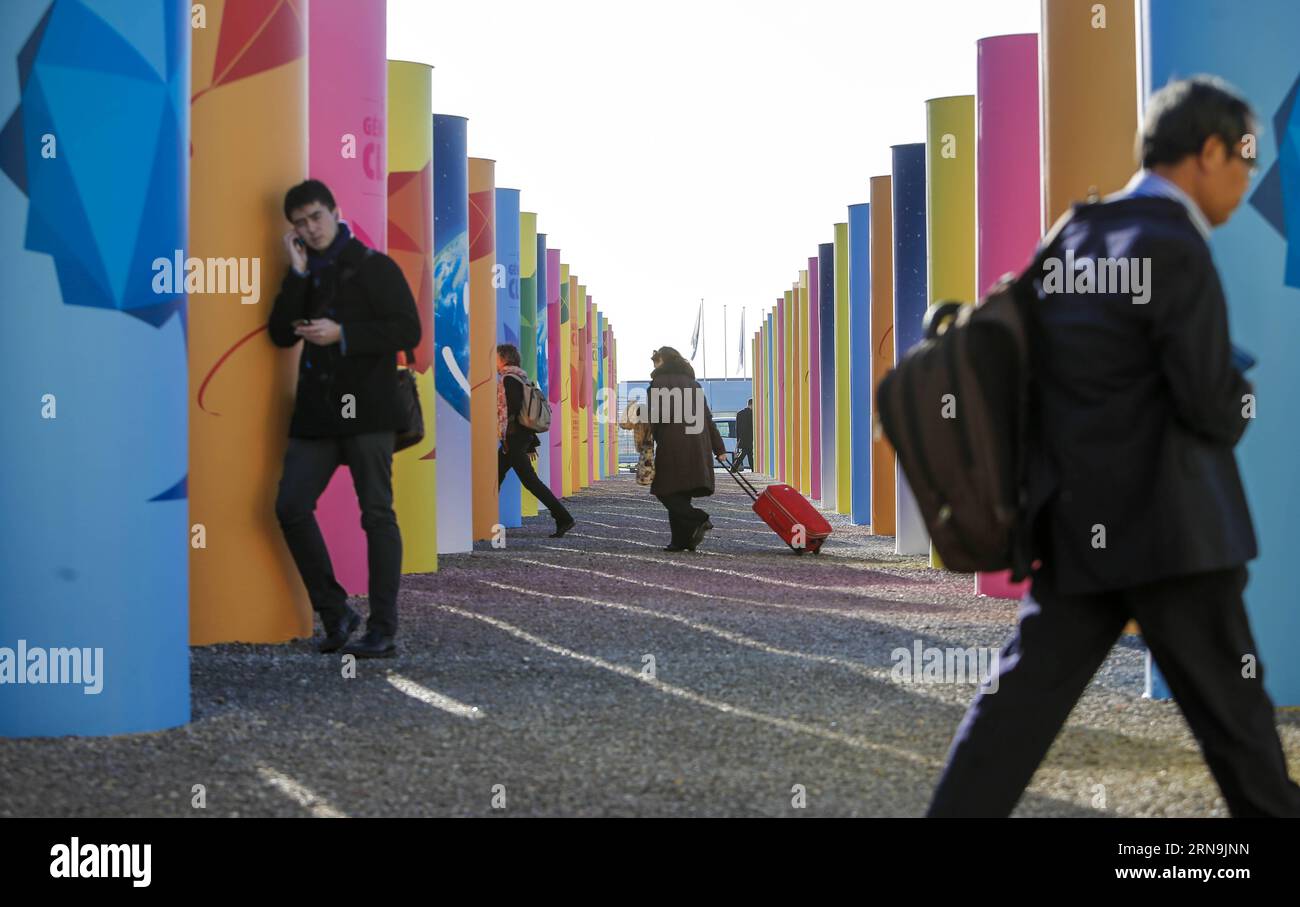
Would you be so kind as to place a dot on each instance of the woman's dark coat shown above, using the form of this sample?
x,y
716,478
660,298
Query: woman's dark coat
x,y
683,460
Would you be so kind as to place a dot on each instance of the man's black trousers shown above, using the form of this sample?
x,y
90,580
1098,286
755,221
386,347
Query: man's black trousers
x,y
308,466
1198,632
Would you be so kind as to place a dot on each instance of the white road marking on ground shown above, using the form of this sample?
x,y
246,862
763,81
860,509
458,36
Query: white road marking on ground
x,y
784,606
785,724
434,698
874,673
626,541
662,521
844,590
303,796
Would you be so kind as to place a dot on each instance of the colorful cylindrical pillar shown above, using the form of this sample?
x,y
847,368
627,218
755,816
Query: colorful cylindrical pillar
x,y
482,346
1089,100
804,388
860,283
815,379
911,299
1008,210
790,422
347,151
543,374
451,333
530,245
581,363
554,372
93,490
249,84
950,205
774,390
506,281
826,339
409,231
567,288
880,452
843,388
588,386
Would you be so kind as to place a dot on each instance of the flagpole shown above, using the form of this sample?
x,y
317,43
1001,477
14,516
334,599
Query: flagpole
x,y
726,372
704,340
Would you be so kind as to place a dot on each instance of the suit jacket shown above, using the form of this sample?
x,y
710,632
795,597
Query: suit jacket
x,y
1135,410
366,293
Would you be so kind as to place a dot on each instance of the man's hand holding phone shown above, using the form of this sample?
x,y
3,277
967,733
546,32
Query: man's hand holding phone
x,y
297,252
320,331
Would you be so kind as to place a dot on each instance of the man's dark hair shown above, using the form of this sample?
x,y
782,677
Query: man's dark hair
x,y
667,354
303,194
510,353
1183,114
751,402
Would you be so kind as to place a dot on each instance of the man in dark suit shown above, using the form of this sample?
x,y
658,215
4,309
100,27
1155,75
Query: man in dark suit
x,y
744,437
1136,502
354,311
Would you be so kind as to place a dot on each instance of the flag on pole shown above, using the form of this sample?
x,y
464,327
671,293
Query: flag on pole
x,y
695,335
742,341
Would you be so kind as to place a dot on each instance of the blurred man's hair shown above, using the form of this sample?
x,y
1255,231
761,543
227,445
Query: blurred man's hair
x,y
1183,114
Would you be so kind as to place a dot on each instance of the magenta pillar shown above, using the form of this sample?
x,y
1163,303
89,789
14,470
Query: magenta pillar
x,y
1008,209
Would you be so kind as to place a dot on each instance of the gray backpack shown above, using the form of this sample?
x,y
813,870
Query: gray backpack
x,y
534,409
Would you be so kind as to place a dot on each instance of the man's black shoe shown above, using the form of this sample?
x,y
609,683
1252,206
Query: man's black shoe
x,y
372,645
698,535
561,528
675,547
337,638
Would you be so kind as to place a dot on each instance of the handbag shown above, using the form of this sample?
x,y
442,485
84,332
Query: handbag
x,y
410,416
645,467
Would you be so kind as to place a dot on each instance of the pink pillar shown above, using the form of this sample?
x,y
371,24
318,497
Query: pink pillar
x,y
556,478
815,377
347,87
1008,209
780,390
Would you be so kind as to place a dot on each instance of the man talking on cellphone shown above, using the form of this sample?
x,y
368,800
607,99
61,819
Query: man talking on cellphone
x,y
354,311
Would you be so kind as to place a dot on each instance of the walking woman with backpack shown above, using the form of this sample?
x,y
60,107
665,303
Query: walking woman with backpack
x,y
520,409
686,442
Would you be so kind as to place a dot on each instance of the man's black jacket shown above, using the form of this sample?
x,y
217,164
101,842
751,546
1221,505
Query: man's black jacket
x,y
367,294
1135,409
745,429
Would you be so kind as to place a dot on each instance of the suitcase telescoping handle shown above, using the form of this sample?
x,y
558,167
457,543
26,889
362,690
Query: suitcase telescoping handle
x,y
746,485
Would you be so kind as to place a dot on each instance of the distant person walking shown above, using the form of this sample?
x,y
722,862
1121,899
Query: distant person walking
x,y
1136,406
686,441
744,437
519,445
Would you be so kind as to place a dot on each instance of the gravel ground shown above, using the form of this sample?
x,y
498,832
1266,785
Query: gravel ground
x,y
523,687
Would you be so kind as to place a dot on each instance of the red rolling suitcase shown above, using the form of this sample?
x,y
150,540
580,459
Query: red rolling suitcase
x,y
788,513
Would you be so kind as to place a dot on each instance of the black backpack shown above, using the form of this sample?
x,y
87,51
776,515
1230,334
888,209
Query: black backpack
x,y
956,409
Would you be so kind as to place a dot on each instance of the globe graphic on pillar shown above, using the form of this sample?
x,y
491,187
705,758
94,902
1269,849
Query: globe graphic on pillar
x,y
451,322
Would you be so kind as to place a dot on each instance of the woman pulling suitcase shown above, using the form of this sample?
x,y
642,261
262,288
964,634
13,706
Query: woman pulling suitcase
x,y
684,448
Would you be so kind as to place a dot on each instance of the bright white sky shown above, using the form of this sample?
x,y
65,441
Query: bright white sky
x,y
684,150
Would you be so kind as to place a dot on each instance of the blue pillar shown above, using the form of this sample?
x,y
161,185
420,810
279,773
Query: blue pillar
x,y
1258,256
94,151
911,299
506,278
860,383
